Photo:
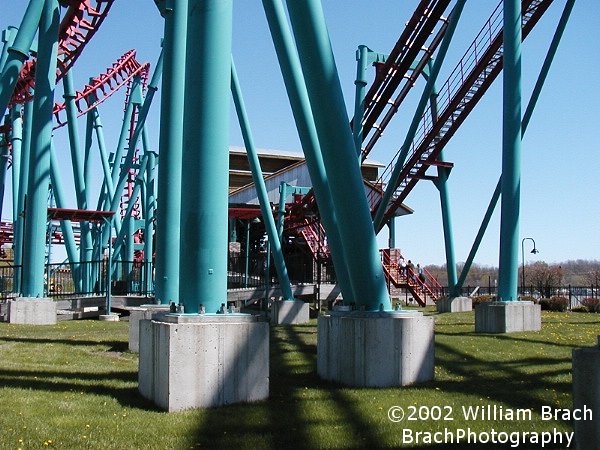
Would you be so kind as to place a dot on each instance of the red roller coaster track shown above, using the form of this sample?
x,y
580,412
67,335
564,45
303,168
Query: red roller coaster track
x,y
103,86
80,23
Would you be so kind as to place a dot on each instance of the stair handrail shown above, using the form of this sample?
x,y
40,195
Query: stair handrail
x,y
493,55
452,85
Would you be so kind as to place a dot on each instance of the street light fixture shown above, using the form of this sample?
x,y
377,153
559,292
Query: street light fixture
x,y
534,251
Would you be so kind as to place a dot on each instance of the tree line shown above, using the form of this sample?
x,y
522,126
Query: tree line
x,y
539,274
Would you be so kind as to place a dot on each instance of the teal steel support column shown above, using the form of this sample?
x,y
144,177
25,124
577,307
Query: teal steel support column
x,y
65,225
337,146
125,231
16,141
267,276
22,194
281,214
170,150
43,102
124,133
261,189
524,124
77,164
8,39
149,221
87,151
98,130
247,254
441,55
392,230
108,224
441,184
78,177
511,154
204,193
362,59
4,156
19,51
300,103
137,99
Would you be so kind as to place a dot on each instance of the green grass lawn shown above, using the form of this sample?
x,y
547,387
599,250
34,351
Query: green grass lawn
x,y
74,386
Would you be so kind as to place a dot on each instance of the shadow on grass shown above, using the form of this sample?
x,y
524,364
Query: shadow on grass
x,y
506,337
97,383
288,419
510,384
115,346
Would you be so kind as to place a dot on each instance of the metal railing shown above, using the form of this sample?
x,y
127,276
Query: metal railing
x,y
137,277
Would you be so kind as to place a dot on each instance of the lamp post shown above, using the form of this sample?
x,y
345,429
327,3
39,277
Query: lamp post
x,y
534,251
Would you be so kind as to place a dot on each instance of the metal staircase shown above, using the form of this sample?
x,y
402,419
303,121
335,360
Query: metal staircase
x,y
314,235
406,278
465,86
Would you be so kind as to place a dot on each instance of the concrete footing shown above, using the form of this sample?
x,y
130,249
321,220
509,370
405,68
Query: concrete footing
x,y
454,304
286,312
375,349
136,314
109,317
202,361
32,311
586,396
507,317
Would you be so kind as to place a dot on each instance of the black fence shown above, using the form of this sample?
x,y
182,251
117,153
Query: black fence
x,y
576,295
88,278
255,271
137,278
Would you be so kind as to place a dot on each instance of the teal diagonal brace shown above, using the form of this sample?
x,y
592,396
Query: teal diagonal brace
x,y
16,142
120,239
261,189
65,225
18,52
4,156
78,173
339,155
128,163
300,103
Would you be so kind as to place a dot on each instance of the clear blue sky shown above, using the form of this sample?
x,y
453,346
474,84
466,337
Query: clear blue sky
x,y
560,150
